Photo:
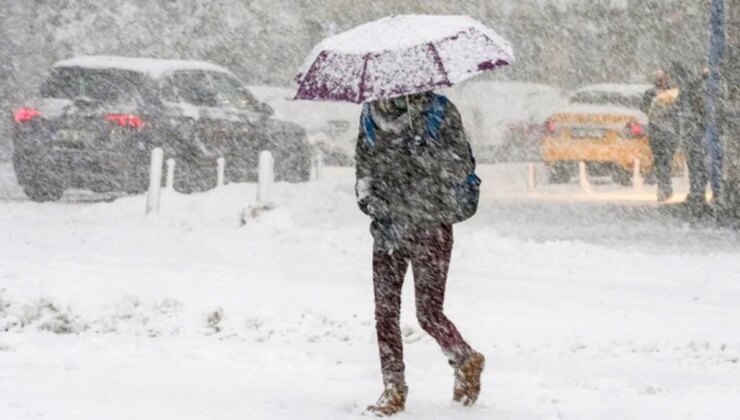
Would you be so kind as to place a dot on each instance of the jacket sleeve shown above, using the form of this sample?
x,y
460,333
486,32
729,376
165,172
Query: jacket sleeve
x,y
367,198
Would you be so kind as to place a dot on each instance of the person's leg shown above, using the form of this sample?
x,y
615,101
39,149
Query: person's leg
x,y
430,261
660,143
696,160
389,270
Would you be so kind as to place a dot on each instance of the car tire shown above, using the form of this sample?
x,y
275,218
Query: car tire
x,y
193,175
622,177
299,174
558,173
44,190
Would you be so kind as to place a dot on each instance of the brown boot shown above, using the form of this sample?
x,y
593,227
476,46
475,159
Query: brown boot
x,y
392,401
467,379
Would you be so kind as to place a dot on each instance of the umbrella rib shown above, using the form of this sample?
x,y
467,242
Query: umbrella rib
x,y
438,61
363,86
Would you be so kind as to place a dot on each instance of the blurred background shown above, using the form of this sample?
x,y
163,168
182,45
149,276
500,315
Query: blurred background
x,y
560,43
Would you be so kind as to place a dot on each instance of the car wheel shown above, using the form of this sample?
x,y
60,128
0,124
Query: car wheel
x,y
300,174
622,177
296,170
44,190
558,173
194,175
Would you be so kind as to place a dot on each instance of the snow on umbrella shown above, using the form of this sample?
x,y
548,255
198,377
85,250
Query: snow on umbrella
x,y
400,55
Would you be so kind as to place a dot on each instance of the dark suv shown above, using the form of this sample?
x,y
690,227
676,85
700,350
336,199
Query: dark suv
x,y
98,118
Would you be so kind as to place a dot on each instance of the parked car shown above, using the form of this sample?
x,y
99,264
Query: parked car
x,y
497,113
604,127
96,120
522,142
332,127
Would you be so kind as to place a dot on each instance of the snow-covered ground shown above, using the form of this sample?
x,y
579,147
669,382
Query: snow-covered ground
x,y
587,307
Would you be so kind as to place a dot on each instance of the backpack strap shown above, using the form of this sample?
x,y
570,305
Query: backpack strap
x,y
368,125
436,115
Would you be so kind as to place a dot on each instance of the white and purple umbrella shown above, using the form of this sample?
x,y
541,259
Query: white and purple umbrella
x,y
400,55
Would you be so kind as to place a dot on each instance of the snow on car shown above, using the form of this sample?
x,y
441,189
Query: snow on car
x,y
604,127
96,120
331,127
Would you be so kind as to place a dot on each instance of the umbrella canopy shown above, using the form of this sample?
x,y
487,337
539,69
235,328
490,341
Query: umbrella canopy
x,y
400,55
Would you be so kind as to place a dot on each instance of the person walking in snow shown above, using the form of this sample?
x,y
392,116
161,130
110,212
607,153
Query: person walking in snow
x,y
415,178
663,128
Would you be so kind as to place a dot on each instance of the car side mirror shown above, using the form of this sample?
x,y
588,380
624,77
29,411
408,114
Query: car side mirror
x,y
267,110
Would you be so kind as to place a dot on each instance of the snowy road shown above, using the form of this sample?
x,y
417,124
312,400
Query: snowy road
x,y
585,310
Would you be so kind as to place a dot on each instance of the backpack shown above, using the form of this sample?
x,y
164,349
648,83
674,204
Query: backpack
x,y
464,195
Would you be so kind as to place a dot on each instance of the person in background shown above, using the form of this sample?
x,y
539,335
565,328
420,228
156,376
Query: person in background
x,y
660,84
415,178
663,129
693,120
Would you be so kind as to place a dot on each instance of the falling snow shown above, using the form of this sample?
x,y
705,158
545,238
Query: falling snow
x,y
513,216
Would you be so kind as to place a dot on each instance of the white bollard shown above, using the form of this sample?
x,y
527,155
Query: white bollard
x,y
170,183
583,178
531,178
155,181
638,182
266,179
318,165
686,175
221,162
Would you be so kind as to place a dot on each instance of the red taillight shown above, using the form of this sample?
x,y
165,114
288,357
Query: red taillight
x,y
635,129
126,120
551,126
24,115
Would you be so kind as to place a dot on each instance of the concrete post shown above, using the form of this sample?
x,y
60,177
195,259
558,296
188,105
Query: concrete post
x,y
531,178
638,182
155,182
221,170
266,178
170,183
583,178
318,166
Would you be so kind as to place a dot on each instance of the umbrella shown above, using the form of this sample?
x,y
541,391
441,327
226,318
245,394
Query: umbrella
x,y
400,55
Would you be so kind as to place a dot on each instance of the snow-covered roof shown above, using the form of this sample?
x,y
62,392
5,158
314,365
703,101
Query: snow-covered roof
x,y
624,89
153,67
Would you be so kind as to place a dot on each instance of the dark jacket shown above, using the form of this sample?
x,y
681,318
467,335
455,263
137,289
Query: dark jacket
x,y
406,176
692,107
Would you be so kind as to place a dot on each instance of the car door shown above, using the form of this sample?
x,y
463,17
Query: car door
x,y
198,121
245,118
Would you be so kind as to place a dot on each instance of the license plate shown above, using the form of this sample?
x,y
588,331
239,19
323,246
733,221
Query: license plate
x,y
587,132
74,138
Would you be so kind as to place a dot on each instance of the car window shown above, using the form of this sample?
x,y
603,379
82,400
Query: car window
x,y
191,87
232,93
105,85
607,98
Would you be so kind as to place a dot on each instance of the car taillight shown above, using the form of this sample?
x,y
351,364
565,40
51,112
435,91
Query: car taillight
x,y
126,120
635,129
551,126
24,115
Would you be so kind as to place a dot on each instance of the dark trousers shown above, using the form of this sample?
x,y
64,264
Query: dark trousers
x,y
663,144
428,252
697,162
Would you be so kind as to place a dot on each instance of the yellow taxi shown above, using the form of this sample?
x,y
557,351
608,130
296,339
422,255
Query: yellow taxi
x,y
603,126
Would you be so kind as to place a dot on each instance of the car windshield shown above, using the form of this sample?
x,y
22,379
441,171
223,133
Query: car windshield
x,y
105,85
631,101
